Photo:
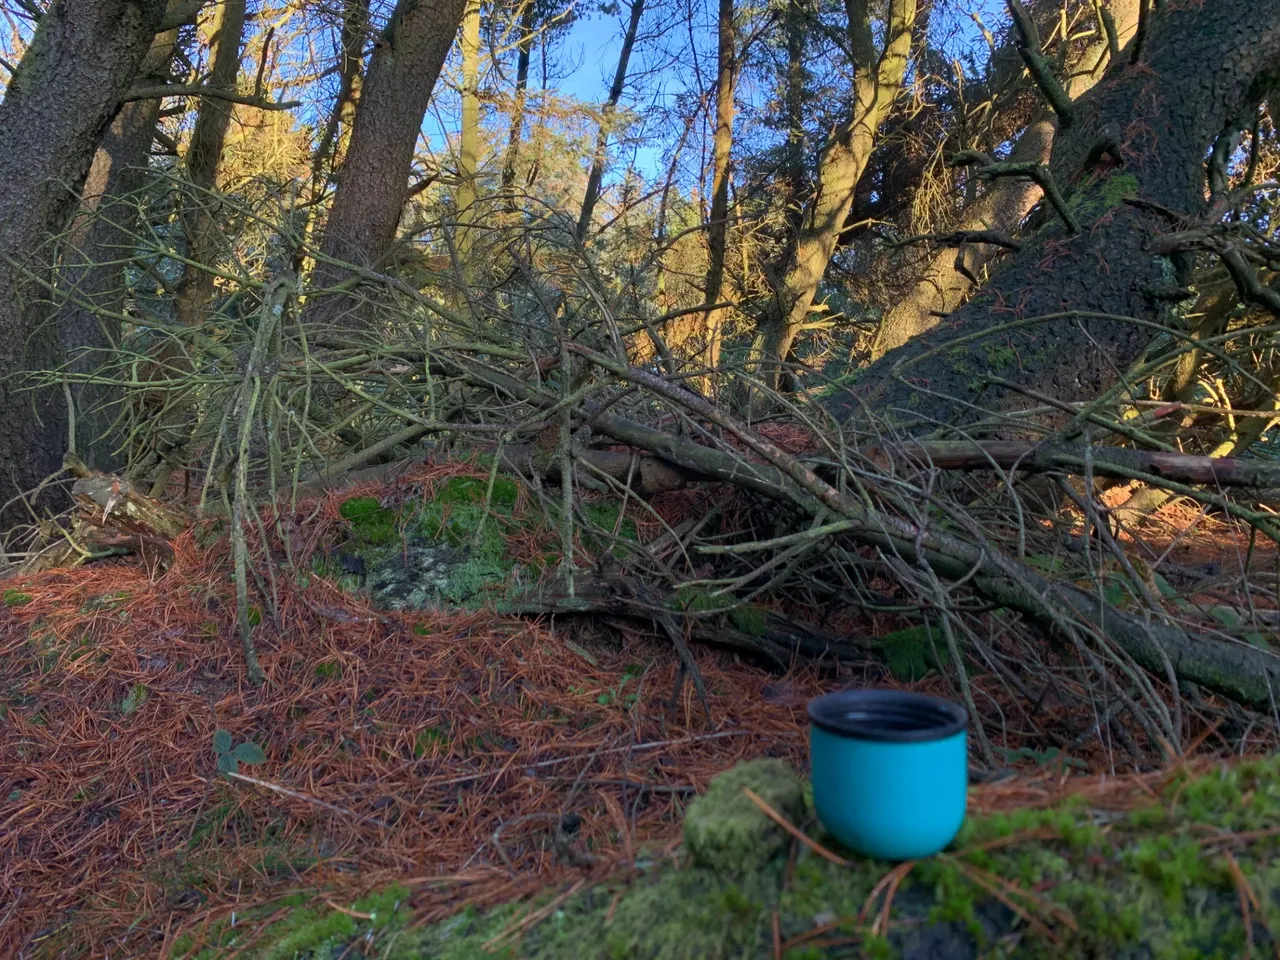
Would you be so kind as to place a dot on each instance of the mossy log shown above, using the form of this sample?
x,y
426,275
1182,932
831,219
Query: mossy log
x,y
1187,869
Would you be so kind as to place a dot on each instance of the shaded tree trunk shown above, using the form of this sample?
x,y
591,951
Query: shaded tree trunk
x,y
374,179
794,172
1203,70
718,229
596,178
355,25
516,126
57,107
104,230
941,287
196,288
877,81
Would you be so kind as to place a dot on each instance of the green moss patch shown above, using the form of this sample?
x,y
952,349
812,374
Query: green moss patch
x,y
16,598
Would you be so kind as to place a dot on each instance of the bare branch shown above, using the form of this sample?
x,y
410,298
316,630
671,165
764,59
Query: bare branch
x,y
197,90
1038,66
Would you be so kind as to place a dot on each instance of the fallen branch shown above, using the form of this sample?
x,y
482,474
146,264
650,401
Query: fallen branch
x,y
1119,462
1240,671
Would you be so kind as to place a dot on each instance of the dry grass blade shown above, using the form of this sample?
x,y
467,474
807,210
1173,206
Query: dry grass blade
x,y
795,831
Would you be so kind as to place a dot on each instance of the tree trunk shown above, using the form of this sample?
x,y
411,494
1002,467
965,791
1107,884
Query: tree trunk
x,y
524,50
596,178
469,137
196,288
374,180
718,229
92,276
877,80
1203,70
941,287
57,107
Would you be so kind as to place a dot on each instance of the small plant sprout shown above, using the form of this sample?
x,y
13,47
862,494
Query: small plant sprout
x,y
229,758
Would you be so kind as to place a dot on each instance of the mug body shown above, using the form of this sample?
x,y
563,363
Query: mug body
x,y
890,771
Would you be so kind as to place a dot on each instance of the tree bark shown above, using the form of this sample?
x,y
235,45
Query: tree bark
x,y
1002,208
1202,70
877,81
596,178
57,107
374,179
92,277
196,288
718,228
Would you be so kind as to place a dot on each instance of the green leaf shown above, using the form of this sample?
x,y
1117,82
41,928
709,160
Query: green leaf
x,y
227,763
221,741
1163,585
250,753
1225,616
1115,593
135,698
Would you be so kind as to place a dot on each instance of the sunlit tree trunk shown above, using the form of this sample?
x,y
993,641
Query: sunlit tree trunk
x,y
469,137
878,78
208,139
56,109
941,287
598,161
374,180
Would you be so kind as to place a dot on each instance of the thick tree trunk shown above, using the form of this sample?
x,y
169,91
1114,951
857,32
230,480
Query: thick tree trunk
x,y
941,287
595,178
1202,70
878,78
718,228
374,180
516,127
196,288
92,277
56,108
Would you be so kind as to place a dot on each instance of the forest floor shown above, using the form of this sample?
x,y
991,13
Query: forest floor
x,y
463,755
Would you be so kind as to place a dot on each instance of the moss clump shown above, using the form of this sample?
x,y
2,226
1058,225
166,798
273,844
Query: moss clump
x,y
16,598
475,490
605,515
911,653
727,832
750,619
371,523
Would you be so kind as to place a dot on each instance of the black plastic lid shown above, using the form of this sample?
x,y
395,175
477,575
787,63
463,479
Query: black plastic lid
x,y
892,716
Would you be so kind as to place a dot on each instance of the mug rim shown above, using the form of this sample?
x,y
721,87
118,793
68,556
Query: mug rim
x,y
830,713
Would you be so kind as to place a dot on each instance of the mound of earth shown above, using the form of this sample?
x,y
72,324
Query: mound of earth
x,y
1186,870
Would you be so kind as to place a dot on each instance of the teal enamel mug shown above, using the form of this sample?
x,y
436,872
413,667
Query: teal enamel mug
x,y
890,771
